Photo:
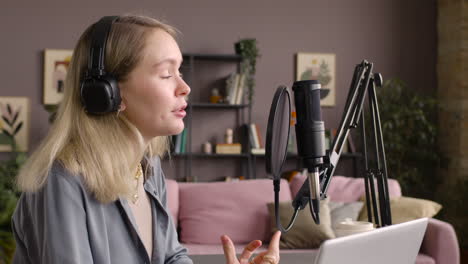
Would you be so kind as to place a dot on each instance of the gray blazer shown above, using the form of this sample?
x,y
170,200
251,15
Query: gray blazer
x,y
63,223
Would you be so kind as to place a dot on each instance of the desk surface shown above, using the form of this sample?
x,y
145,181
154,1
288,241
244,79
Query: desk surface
x,y
296,258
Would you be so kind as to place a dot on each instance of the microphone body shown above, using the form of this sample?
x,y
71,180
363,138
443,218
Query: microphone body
x,y
310,135
310,129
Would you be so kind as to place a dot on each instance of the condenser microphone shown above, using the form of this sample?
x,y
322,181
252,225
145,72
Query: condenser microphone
x,y
310,135
310,129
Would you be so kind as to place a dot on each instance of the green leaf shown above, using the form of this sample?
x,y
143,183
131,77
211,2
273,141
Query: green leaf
x,y
6,120
9,109
15,118
18,127
7,247
5,139
5,132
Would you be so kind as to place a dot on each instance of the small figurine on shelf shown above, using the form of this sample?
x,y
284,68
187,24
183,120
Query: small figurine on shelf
x,y
215,96
228,136
207,148
228,147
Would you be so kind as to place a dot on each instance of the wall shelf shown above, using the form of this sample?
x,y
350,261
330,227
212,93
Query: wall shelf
x,y
224,106
212,57
355,157
242,112
214,155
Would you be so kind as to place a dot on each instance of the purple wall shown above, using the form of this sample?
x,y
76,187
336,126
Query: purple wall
x,y
398,36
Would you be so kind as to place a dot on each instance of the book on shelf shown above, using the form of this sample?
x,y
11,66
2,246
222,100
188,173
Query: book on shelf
x,y
292,141
246,138
235,88
257,151
180,142
234,148
240,89
253,132
231,84
348,146
255,139
184,141
259,136
234,179
172,143
352,146
177,142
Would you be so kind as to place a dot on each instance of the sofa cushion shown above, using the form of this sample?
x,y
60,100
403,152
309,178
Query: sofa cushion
x,y
405,209
237,209
172,189
304,234
345,189
424,259
339,211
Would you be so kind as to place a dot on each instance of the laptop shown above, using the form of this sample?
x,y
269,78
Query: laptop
x,y
397,243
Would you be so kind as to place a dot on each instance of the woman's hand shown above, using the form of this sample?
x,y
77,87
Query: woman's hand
x,y
271,256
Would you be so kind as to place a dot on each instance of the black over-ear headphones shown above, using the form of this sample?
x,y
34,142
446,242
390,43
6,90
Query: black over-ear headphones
x,y
99,90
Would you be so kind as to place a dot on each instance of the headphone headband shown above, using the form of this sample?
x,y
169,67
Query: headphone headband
x,y
99,36
99,90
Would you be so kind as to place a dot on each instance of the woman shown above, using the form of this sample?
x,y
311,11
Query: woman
x,y
93,191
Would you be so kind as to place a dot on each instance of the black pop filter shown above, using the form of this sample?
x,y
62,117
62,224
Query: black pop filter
x,y
277,145
278,132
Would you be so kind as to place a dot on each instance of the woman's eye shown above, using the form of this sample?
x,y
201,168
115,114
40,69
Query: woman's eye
x,y
169,74
165,74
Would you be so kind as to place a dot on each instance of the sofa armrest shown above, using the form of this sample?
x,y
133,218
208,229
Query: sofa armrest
x,y
440,242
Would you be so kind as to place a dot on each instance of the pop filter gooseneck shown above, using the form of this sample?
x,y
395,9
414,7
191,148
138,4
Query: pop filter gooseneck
x,y
276,145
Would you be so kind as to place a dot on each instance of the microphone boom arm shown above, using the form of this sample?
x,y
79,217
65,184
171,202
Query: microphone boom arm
x,y
363,82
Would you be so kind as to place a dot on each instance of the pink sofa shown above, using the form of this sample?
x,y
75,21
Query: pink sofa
x,y
205,211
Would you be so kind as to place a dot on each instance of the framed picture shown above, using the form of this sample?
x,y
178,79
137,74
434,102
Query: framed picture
x,y
55,70
321,67
14,122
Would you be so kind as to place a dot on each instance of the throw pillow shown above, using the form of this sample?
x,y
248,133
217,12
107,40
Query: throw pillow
x,y
304,233
339,211
238,209
405,209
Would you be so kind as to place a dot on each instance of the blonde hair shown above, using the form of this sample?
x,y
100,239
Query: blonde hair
x,y
104,150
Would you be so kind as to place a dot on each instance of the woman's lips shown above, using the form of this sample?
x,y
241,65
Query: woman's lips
x,y
180,113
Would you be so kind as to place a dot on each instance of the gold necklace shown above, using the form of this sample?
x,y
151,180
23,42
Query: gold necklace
x,y
138,175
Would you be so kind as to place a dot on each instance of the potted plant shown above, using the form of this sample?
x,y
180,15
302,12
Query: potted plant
x,y
247,48
8,198
409,127
52,110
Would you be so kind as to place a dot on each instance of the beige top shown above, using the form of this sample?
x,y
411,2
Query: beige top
x,y
141,210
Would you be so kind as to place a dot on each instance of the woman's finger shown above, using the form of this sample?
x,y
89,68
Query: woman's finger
x,y
258,258
272,256
274,243
229,250
248,251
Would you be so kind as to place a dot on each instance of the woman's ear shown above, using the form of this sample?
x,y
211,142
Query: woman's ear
x,y
122,105
123,101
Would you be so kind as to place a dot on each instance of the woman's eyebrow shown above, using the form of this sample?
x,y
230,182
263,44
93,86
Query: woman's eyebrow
x,y
167,60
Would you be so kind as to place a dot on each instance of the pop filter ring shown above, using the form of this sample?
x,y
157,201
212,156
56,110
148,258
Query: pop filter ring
x,y
280,92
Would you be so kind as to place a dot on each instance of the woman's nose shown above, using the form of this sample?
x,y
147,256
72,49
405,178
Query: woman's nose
x,y
183,88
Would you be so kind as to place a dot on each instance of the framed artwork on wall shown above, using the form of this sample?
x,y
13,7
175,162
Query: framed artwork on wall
x,y
14,122
321,67
55,70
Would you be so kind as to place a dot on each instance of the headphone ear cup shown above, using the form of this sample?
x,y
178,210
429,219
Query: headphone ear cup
x,y
100,95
